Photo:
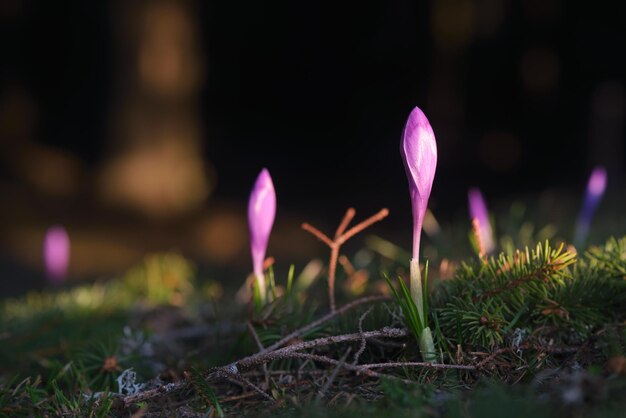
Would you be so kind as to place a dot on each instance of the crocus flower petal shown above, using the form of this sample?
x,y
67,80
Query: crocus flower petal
x,y
478,210
261,213
419,154
597,183
595,190
56,253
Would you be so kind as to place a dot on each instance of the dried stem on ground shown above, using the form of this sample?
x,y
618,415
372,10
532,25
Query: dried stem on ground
x,y
257,340
282,353
333,375
240,370
165,389
259,344
359,370
417,364
245,382
366,369
328,317
234,370
339,239
363,340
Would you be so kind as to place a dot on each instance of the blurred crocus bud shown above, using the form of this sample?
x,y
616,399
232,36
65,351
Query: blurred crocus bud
x,y
419,154
595,190
56,253
261,212
478,211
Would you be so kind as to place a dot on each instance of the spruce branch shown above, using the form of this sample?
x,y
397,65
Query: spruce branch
x,y
542,287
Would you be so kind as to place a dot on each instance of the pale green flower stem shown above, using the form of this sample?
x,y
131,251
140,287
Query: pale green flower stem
x,y
260,281
416,288
426,344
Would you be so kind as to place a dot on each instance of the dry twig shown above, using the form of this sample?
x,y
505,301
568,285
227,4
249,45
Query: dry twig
x,y
329,316
363,340
420,364
359,370
260,345
340,238
333,375
275,352
245,382
285,352
257,340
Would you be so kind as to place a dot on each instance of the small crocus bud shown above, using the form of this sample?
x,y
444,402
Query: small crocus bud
x,y
261,212
56,254
419,154
480,216
595,190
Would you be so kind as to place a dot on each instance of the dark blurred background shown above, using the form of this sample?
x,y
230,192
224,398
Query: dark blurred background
x,y
141,126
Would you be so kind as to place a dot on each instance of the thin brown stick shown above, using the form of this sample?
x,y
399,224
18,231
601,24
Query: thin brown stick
x,y
286,352
340,238
257,340
359,370
347,218
382,214
363,340
241,379
318,234
417,364
332,271
329,316
333,375
254,373
260,345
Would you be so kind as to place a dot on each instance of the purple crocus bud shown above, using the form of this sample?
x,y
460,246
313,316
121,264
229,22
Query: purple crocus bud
x,y
419,154
478,211
261,212
595,190
56,253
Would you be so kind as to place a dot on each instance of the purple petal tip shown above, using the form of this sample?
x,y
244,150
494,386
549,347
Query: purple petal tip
x,y
56,253
261,213
419,152
477,206
597,181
